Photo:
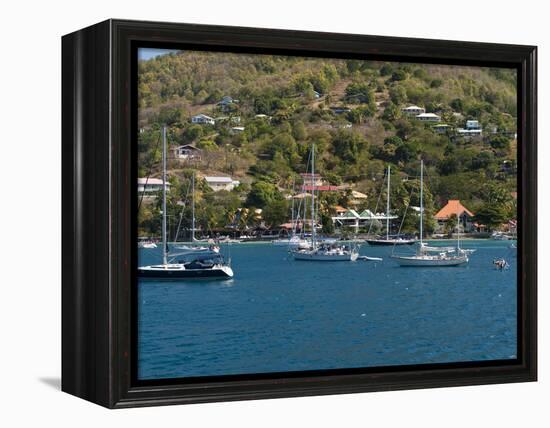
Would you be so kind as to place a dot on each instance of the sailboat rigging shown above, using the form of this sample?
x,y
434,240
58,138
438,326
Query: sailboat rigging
x,y
185,249
322,251
209,265
295,240
389,240
431,256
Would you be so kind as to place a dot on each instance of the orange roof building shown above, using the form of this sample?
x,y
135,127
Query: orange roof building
x,y
453,207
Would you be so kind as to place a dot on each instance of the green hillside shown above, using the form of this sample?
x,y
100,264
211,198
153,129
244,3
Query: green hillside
x,y
350,109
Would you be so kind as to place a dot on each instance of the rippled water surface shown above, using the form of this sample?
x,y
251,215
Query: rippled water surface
x,y
279,314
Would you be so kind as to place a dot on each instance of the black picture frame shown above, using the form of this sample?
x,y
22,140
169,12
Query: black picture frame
x,y
98,206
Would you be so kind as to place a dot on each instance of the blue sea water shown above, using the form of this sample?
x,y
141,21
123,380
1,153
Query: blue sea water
x,y
279,315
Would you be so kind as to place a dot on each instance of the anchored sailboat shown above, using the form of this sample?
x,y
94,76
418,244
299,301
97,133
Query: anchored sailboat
x,y
322,251
209,265
390,240
187,249
294,240
431,256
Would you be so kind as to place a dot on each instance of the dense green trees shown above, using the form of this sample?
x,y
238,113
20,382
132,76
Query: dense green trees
x,y
490,216
262,193
301,98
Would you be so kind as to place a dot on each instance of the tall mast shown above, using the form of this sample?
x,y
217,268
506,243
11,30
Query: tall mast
x,y
313,194
421,198
193,207
388,207
458,231
292,223
164,244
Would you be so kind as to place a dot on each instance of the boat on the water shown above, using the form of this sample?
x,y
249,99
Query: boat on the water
x,y
427,256
147,244
201,266
327,252
197,249
501,236
319,251
390,239
209,265
293,242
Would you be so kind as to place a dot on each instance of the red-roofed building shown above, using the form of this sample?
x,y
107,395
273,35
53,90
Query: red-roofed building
x,y
322,188
455,208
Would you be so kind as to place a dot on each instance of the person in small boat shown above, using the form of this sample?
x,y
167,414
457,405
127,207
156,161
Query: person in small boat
x,y
500,264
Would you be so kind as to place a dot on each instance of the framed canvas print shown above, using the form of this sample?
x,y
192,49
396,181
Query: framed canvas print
x,y
253,213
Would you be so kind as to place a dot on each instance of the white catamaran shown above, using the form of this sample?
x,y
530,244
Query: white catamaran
x,y
322,251
431,256
208,265
390,240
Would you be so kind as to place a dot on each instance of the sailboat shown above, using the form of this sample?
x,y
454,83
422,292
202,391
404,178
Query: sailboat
x,y
431,256
389,240
185,249
294,240
319,251
210,265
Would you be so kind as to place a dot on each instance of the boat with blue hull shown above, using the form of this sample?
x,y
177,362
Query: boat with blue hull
x,y
196,269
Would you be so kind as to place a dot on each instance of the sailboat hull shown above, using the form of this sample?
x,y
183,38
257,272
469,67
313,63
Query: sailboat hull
x,y
414,261
178,272
292,243
391,242
308,256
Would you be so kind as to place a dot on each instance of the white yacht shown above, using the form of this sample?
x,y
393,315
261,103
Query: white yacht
x,y
322,252
431,256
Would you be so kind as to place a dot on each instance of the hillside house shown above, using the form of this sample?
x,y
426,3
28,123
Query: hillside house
x,y
357,197
218,183
315,179
149,186
472,128
226,103
352,218
441,128
188,152
454,207
203,119
413,110
428,117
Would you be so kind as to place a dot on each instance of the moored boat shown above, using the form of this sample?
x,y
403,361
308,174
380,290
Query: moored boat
x,y
389,239
432,256
322,252
208,266
211,265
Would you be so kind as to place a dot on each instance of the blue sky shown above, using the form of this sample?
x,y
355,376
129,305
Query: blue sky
x,y
148,53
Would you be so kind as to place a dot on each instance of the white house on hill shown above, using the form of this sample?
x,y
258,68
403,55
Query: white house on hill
x,y
472,128
187,152
428,117
413,110
218,183
203,119
150,185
